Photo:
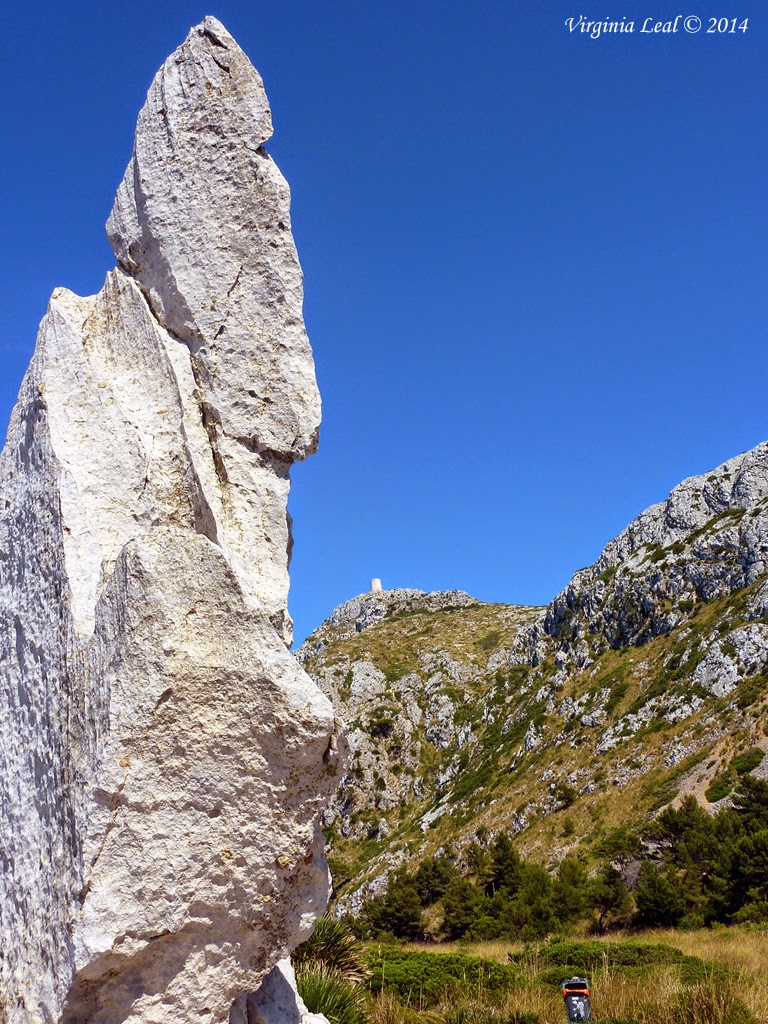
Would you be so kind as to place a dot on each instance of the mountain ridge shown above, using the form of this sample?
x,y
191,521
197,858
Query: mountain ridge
x,y
638,683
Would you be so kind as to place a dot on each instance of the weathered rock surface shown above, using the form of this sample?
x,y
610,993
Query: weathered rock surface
x,y
708,539
165,759
276,1002
737,655
213,279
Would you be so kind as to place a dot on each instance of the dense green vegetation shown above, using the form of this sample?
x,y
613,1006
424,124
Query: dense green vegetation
x,y
628,958
425,978
686,867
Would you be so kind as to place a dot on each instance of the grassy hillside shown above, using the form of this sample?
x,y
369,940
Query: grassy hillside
x,y
452,744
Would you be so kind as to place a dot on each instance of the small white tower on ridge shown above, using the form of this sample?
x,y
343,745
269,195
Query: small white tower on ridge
x,y
376,586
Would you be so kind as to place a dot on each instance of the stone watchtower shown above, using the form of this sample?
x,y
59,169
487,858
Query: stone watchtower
x,y
376,586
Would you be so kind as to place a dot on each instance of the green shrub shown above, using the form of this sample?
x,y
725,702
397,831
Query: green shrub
x,y
553,977
747,761
327,992
425,978
562,959
694,971
583,957
720,787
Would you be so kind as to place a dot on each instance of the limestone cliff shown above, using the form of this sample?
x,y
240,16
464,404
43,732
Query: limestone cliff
x,y
165,759
706,540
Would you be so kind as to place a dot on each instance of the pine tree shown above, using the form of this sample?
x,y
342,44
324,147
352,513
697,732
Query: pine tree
x,y
659,902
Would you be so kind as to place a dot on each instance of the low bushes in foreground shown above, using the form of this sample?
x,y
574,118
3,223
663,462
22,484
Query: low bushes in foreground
x,y
632,982
425,979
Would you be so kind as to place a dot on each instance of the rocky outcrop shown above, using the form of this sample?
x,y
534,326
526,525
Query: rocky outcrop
x,y
365,610
165,759
708,539
727,660
406,699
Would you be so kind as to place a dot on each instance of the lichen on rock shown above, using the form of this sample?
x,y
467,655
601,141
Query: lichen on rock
x,y
165,758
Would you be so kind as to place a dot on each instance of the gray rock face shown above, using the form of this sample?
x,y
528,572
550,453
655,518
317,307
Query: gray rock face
x,y
165,759
708,539
741,653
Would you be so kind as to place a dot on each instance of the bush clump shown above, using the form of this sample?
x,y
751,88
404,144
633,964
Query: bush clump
x,y
561,959
748,761
425,978
719,788
589,955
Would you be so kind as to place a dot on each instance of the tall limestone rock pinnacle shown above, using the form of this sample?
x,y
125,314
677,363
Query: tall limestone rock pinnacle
x,y
165,758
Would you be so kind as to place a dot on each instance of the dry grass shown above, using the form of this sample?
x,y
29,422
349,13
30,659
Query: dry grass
x,y
663,999
745,951
496,950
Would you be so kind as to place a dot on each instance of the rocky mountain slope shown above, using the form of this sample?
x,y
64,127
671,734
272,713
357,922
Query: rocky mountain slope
x,y
640,682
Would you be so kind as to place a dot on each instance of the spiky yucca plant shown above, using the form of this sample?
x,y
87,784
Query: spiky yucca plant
x,y
333,947
325,991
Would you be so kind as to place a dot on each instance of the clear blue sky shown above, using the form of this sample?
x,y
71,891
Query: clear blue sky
x,y
535,262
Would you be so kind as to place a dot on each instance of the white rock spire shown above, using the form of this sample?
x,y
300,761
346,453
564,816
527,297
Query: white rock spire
x,y
165,758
